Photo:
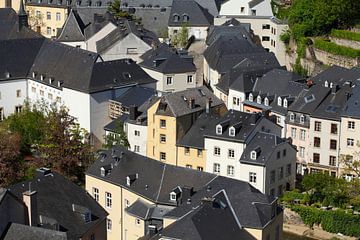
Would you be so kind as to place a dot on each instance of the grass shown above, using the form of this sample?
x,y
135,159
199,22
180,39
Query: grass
x,y
336,49
344,34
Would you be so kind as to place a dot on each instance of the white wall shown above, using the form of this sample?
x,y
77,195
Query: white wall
x,y
238,95
42,93
234,7
91,42
200,33
8,97
137,140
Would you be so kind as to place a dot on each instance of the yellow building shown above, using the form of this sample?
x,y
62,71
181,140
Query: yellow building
x,y
172,116
15,4
144,197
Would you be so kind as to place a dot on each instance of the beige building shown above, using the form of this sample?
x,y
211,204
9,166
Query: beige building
x,y
143,197
172,116
15,4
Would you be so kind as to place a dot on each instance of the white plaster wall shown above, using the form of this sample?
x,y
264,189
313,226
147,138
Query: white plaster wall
x,y
211,76
34,88
245,170
233,8
236,94
137,140
91,42
199,32
8,97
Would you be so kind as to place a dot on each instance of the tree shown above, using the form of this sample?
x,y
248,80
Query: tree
x,y
118,138
64,147
36,20
10,163
351,163
118,13
180,39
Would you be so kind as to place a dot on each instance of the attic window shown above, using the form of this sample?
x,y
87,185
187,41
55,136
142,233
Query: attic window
x,y
185,18
326,84
302,119
68,2
258,99
78,3
125,4
126,75
163,9
253,155
218,129
285,103
292,117
310,98
176,18
232,132
128,181
98,3
251,97
87,217
42,77
279,101
173,196
266,101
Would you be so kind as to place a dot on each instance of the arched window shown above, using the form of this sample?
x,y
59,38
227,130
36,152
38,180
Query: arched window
x,y
302,119
176,18
258,99
266,101
219,129
251,97
285,103
279,101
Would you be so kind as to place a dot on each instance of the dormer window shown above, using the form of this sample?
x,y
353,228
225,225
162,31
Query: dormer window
x,y
326,84
253,155
176,18
258,99
266,101
292,117
279,102
302,119
285,103
50,80
218,129
331,85
128,182
185,18
102,172
232,132
173,196
251,97
33,74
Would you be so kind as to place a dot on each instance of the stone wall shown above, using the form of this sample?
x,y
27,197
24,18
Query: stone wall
x,y
346,42
332,59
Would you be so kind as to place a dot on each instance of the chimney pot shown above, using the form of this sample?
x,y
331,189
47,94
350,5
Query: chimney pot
x,y
30,201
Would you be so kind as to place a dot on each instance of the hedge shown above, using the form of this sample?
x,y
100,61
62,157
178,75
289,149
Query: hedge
x,y
336,49
344,34
331,221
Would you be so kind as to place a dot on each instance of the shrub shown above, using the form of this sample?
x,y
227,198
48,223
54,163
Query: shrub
x,y
336,49
285,37
290,196
346,35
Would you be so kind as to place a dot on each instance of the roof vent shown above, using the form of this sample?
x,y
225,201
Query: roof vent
x,y
7,75
51,80
105,170
42,77
131,178
33,74
43,171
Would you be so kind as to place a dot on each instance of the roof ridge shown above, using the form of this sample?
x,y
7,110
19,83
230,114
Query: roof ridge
x,y
161,182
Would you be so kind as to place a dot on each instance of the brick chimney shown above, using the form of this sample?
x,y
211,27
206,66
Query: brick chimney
x,y
30,200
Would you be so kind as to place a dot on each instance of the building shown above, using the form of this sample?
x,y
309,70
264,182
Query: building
x,y
246,8
146,197
54,207
173,70
190,14
14,4
172,116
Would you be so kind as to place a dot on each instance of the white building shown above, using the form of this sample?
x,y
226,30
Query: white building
x,y
246,8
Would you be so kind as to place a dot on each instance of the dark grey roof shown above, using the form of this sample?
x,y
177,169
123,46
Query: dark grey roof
x,y
241,29
253,3
265,144
55,196
94,19
352,106
194,138
70,3
140,209
189,12
177,104
243,122
136,95
336,74
73,29
23,232
9,26
166,60
113,125
123,30
156,180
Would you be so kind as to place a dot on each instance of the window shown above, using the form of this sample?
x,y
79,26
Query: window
x,y
293,132
1,114
318,126
266,26
188,166
285,103
218,129
162,138
317,142
199,153
266,101
200,169
230,170
278,120
251,97
302,152
162,123
217,151
41,93
18,109
288,169
50,96
279,101
216,168
265,38
169,80
351,125
302,134
131,51
272,176
252,177
187,150
253,12
137,133
33,90
38,13
108,224
136,148
334,128
281,173
108,200
189,79
58,16
302,119
231,153
333,144
284,153
162,156
350,142
292,117
332,161
242,9
48,15
18,93
278,155
137,221
95,193
258,99
253,155
232,132
127,203
316,158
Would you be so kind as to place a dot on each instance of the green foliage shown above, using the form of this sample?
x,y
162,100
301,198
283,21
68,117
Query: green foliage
x,y
333,48
290,196
181,38
115,9
299,69
344,34
331,221
285,37
118,138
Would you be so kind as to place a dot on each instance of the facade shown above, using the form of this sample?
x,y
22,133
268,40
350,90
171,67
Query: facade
x,y
143,198
173,70
14,4
246,8
172,116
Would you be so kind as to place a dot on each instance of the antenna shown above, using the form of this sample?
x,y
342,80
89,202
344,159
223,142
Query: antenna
x,y
29,187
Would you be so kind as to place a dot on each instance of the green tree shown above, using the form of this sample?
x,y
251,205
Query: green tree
x,y
180,39
118,138
115,9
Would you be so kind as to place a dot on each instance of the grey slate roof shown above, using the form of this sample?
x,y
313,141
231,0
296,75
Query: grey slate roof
x,y
156,180
254,3
167,60
70,3
23,232
240,29
195,14
352,106
136,95
177,104
140,209
123,30
73,29
55,196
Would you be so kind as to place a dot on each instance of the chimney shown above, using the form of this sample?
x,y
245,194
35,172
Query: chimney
x,y
30,201
191,103
208,105
207,201
22,15
133,112
309,83
152,230
335,88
